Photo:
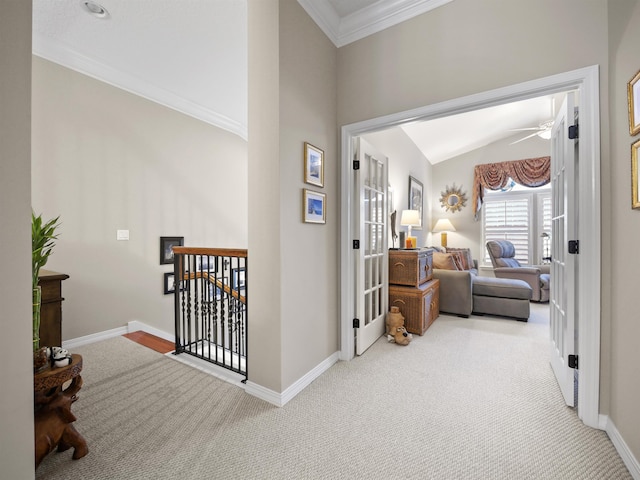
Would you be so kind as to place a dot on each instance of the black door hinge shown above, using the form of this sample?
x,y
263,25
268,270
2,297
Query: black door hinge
x,y
574,247
356,323
356,244
573,132
356,164
573,361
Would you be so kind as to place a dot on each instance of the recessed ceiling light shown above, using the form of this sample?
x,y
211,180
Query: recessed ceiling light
x,y
95,9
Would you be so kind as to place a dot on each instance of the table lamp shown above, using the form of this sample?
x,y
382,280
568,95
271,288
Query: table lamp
x,y
443,226
410,218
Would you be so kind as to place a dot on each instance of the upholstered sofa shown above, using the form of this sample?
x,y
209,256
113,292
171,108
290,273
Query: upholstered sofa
x,y
491,296
456,290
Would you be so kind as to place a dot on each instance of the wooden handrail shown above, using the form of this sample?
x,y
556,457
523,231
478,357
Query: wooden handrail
x,y
213,252
211,278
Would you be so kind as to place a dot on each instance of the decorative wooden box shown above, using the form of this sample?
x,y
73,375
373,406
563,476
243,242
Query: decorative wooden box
x,y
420,306
410,267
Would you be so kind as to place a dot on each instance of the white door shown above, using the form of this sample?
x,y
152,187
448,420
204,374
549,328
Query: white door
x,y
370,225
564,227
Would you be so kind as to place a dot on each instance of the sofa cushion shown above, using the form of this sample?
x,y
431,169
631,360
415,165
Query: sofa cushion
x,y
501,287
444,261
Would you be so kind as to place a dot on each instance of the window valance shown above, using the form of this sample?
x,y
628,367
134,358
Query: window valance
x,y
530,172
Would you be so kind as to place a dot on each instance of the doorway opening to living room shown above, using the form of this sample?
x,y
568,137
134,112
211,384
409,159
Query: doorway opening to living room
x,y
587,295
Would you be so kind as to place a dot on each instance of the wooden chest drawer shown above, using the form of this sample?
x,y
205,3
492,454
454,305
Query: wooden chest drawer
x,y
420,306
410,267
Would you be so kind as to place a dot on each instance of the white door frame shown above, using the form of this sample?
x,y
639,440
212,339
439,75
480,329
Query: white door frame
x,y
586,81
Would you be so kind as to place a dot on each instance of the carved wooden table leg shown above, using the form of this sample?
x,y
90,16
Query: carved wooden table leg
x,y
53,417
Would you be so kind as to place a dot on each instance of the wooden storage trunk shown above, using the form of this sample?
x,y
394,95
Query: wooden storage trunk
x,y
410,267
419,306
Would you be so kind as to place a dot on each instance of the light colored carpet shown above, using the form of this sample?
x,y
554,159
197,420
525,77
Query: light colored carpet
x,y
471,399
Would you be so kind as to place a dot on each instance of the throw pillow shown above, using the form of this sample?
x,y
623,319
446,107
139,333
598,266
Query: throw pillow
x,y
467,259
459,260
444,261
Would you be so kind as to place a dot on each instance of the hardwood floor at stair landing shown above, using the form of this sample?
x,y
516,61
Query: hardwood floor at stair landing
x,y
151,341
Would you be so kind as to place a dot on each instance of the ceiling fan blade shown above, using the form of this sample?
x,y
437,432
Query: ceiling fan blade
x,y
528,136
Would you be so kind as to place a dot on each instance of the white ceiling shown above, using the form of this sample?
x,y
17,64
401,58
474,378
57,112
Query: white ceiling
x,y
191,56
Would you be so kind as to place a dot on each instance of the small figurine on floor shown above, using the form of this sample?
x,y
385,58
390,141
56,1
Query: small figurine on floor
x,y
60,357
400,336
395,327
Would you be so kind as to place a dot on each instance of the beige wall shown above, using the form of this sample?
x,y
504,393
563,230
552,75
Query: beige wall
x,y
466,47
104,159
292,100
16,402
310,282
624,381
405,159
265,342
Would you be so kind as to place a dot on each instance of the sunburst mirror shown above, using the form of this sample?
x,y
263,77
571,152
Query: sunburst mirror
x,y
453,198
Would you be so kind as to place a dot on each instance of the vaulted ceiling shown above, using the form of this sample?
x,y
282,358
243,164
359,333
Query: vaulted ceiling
x,y
191,56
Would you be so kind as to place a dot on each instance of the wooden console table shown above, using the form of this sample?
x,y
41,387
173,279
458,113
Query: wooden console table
x,y
53,417
51,309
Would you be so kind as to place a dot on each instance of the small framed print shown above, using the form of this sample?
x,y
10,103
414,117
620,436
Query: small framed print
x,y
415,198
238,279
204,263
170,283
166,248
314,206
313,165
633,97
635,185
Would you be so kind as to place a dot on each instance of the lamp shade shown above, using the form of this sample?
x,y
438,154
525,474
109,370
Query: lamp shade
x,y
410,218
443,225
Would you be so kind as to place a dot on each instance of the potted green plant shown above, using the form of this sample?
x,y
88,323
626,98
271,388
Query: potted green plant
x,y
43,236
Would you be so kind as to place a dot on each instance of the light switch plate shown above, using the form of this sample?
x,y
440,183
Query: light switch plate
x,y
122,235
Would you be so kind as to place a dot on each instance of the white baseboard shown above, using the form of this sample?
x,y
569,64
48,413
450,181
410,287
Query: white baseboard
x,y
623,450
275,398
209,368
132,326
94,337
281,399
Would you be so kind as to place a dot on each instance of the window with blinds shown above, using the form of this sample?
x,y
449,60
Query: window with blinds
x,y
522,218
508,219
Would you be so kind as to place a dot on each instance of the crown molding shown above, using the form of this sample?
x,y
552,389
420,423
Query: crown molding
x,y
62,55
366,21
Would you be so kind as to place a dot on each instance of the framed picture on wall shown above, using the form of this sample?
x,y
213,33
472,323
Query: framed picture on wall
x,y
415,198
170,283
635,185
313,206
633,97
166,248
238,279
313,165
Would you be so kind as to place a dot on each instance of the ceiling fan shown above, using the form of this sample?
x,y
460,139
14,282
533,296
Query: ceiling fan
x,y
543,130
